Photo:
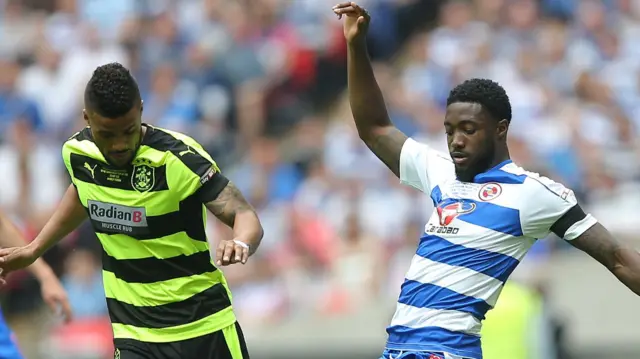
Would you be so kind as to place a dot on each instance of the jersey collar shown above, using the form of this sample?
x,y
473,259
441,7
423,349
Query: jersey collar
x,y
490,174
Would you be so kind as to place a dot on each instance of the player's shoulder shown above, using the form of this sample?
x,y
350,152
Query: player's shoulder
x,y
81,141
167,140
537,185
416,147
182,148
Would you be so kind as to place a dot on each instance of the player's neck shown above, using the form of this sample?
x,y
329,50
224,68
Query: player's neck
x,y
501,155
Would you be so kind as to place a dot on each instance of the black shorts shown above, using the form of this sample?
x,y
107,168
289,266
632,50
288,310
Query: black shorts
x,y
227,343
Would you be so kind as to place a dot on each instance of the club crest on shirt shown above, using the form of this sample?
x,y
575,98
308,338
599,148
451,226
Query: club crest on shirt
x,y
490,191
448,212
143,178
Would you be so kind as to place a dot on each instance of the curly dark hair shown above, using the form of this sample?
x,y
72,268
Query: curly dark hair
x,y
112,91
489,94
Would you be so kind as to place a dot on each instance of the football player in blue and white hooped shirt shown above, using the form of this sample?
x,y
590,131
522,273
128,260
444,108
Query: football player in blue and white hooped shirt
x,y
489,211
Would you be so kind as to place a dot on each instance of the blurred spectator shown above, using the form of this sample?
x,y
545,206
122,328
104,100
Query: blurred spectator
x,y
83,282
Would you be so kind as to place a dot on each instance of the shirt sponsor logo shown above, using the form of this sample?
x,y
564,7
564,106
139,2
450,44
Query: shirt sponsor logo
x,y
207,176
115,218
448,212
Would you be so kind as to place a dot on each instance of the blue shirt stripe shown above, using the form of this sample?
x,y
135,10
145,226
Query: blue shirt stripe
x,y
436,195
426,295
500,176
434,339
440,250
496,174
488,215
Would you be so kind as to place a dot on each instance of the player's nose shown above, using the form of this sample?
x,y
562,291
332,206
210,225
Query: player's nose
x,y
457,142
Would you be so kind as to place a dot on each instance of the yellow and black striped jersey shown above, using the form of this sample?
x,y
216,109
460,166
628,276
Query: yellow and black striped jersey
x,y
159,279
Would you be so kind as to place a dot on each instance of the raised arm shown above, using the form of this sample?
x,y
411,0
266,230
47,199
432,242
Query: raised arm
x,y
367,104
232,209
622,261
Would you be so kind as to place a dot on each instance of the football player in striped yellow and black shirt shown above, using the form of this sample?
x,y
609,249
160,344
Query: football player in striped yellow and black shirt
x,y
146,191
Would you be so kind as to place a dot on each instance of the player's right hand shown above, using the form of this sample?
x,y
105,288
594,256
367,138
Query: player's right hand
x,y
15,258
356,21
231,251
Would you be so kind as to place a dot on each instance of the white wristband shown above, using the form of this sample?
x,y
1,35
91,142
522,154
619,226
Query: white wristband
x,y
241,244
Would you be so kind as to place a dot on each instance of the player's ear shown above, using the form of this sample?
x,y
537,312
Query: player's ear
x,y
85,116
502,128
141,106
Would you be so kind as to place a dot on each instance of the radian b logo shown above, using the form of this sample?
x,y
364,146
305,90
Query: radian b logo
x,y
116,218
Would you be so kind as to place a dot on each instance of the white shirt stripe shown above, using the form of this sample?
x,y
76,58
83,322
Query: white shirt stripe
x,y
453,320
477,237
458,279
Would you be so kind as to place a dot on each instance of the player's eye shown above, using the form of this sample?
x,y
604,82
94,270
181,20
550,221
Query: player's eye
x,y
469,131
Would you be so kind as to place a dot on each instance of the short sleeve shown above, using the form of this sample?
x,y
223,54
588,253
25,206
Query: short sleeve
x,y
201,177
66,159
422,167
551,207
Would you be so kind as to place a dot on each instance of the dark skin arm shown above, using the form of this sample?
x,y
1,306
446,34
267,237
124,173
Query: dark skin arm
x,y
367,103
622,261
67,217
52,291
232,209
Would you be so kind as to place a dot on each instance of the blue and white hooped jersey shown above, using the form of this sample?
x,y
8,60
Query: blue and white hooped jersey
x,y
473,241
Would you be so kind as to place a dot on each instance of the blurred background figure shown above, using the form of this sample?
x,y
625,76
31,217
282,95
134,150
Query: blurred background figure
x,y
262,87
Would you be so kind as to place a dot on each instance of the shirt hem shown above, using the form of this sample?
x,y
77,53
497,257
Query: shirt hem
x,y
433,348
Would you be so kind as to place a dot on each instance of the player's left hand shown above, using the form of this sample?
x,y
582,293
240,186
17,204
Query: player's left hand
x,y
230,252
55,297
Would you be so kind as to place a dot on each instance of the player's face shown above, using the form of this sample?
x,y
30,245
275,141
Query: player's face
x,y
117,138
471,139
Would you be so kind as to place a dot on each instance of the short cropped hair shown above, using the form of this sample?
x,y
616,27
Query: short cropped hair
x,y
112,91
489,94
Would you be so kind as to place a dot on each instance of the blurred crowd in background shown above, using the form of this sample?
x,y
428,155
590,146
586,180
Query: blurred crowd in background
x,y
261,84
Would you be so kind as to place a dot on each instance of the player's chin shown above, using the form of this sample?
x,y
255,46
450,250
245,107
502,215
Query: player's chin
x,y
465,173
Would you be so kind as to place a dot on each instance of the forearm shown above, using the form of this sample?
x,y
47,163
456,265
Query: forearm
x,y
10,236
247,228
627,268
67,217
232,209
622,261
367,103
